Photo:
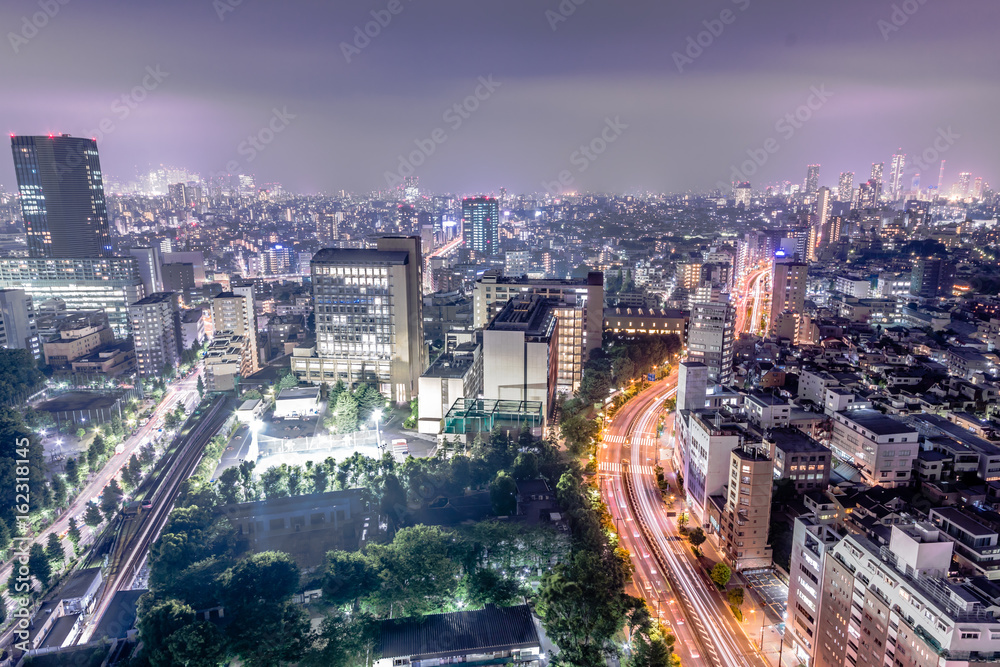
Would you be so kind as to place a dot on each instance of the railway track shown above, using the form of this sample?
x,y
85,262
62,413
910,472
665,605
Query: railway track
x,y
137,534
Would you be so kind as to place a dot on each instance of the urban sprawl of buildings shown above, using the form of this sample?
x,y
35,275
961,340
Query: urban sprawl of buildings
x,y
840,372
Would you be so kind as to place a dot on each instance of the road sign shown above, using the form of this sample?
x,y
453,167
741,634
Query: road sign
x,y
651,377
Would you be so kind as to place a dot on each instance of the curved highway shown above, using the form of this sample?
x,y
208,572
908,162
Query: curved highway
x,y
666,574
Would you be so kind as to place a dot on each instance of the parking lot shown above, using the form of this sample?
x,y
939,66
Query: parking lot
x,y
768,587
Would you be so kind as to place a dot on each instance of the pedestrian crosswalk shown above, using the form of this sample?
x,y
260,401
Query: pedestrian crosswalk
x,y
622,440
617,467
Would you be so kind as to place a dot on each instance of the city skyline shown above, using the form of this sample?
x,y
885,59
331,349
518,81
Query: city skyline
x,y
313,94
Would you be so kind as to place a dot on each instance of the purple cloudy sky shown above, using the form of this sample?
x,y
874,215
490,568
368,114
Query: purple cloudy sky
x,y
887,87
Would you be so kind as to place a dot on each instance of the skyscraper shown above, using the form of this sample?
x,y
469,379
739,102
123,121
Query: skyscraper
x,y
17,322
62,196
812,179
940,185
896,168
876,179
845,188
964,186
818,231
481,224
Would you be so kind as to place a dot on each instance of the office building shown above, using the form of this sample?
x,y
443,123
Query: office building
x,y
845,187
108,283
369,318
579,307
150,268
744,510
881,448
62,196
932,278
156,332
641,321
481,225
234,313
18,330
710,339
895,602
520,353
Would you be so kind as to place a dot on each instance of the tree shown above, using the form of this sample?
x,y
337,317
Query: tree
x,y
146,456
485,586
503,495
74,531
348,576
133,472
264,577
157,622
721,574
228,486
200,386
417,571
200,644
345,414
735,597
526,466
289,381
72,471
54,549
92,517
5,536
111,499
38,564
81,432
697,536
19,376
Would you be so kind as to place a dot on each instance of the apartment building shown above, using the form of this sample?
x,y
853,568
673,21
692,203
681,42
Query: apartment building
x,y
746,513
882,448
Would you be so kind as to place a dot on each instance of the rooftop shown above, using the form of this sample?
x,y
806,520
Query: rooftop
x,y
876,422
450,366
341,256
156,297
794,440
458,633
294,393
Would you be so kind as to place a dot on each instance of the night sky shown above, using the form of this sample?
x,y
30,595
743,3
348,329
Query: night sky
x,y
564,79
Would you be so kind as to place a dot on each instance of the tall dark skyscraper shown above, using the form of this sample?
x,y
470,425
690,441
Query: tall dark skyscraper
x,y
62,196
481,224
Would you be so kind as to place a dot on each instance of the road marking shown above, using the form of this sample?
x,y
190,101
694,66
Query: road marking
x,y
617,467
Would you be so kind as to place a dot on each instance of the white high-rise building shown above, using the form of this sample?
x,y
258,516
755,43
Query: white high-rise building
x,y
711,338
